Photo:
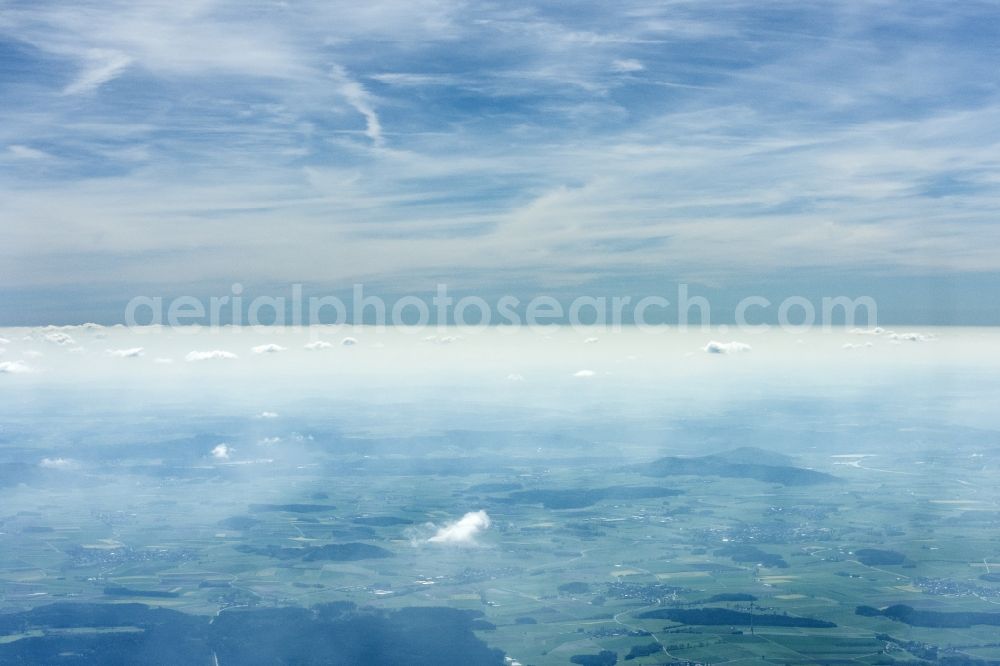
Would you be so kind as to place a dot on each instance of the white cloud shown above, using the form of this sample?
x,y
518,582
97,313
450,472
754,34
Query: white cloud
x,y
221,452
851,345
909,337
361,100
58,338
13,368
583,373
591,341
442,339
318,345
700,169
20,152
31,353
270,348
134,352
163,361
878,330
209,355
407,79
714,347
57,463
627,65
102,65
4,341
348,342
463,531
267,415
269,441
514,377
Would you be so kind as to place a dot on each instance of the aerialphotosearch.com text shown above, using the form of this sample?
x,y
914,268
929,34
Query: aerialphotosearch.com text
x,y
753,313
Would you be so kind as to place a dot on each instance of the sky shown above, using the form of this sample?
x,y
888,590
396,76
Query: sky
x,y
169,148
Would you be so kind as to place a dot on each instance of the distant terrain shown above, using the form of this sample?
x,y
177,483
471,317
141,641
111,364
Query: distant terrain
x,y
735,464
336,634
235,512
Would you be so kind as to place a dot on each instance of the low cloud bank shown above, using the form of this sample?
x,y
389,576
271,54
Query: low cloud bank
x,y
134,352
714,347
13,368
893,335
209,355
909,337
57,338
268,349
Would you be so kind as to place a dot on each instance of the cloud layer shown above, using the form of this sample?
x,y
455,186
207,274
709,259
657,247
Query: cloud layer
x,y
194,143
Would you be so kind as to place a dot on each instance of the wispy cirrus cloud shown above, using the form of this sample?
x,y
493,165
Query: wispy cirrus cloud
x,y
410,142
101,66
361,100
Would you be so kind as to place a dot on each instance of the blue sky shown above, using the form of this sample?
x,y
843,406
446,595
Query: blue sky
x,y
177,147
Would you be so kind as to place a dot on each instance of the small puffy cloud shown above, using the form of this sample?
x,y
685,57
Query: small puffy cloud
x,y
269,441
134,352
583,373
270,348
892,335
59,338
443,339
514,377
591,341
909,337
267,415
221,452
13,368
463,531
318,345
627,65
714,347
210,355
850,345
163,361
348,342
57,463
